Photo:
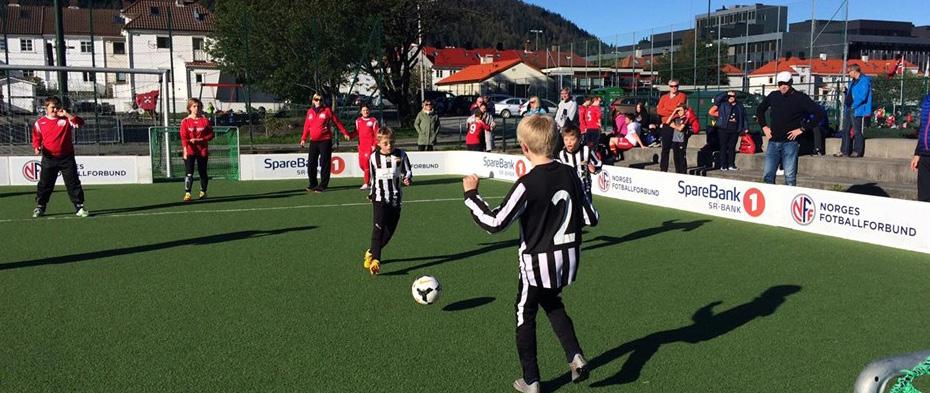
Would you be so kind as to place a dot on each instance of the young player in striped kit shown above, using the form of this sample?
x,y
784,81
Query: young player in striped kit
x,y
579,156
552,208
390,171
367,129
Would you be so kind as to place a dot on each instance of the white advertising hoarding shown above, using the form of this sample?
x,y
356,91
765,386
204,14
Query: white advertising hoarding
x,y
25,170
4,171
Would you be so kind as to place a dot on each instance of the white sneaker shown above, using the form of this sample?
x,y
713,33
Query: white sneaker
x,y
521,386
38,212
364,187
780,172
724,169
579,368
82,212
733,168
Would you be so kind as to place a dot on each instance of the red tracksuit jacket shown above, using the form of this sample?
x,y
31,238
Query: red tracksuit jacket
x,y
367,130
198,128
53,135
317,125
476,131
592,118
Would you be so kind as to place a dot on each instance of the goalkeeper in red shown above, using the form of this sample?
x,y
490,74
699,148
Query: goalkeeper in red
x,y
51,138
552,208
196,133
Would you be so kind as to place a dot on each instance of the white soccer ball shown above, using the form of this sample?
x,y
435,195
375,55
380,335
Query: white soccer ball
x,y
426,290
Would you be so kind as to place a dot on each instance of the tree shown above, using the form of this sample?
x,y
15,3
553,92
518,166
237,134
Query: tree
x,y
287,50
706,62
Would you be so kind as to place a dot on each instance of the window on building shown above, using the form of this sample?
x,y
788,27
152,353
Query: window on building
x,y
87,76
25,45
770,80
120,77
2,44
198,43
198,78
29,74
119,48
87,46
161,42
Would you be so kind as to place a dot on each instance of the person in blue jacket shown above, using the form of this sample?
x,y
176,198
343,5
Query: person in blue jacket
x,y
858,107
921,160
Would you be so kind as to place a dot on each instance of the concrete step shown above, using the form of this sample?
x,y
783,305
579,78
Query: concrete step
x,y
884,170
874,147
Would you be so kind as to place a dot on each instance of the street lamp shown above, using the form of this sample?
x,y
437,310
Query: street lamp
x,y
537,32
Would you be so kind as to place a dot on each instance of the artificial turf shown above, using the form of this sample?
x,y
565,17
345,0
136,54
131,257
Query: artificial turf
x,y
260,288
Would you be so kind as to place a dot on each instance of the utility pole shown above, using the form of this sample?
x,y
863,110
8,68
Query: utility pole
x,y
60,53
93,75
171,55
420,59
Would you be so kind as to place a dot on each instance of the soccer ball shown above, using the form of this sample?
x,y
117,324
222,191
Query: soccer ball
x,y
426,290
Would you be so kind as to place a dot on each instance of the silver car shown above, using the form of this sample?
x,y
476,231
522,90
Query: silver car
x,y
509,107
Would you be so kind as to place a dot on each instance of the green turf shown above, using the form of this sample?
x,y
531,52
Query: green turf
x,y
260,288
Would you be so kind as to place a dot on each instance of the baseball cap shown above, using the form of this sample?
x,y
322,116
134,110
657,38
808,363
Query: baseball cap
x,y
783,76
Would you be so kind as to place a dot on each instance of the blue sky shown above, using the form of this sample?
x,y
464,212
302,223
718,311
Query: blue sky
x,y
605,18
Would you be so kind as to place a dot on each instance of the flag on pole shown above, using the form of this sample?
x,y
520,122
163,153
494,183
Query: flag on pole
x,y
898,67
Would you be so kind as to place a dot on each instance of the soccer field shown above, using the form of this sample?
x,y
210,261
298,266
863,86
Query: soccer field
x,y
261,288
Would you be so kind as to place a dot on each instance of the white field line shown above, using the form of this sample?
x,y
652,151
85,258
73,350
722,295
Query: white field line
x,y
239,210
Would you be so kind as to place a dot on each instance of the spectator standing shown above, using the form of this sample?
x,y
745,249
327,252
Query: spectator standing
x,y
790,110
858,107
732,121
667,106
533,107
427,126
477,128
921,161
318,128
593,117
566,115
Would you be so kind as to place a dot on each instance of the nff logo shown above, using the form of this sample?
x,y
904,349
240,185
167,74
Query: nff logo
x,y
803,209
32,170
603,181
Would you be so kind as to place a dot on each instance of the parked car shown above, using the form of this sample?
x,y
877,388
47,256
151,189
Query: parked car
x,y
461,105
442,100
509,107
550,106
495,98
628,104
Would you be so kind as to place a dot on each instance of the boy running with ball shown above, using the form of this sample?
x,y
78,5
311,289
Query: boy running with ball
x,y
390,170
552,208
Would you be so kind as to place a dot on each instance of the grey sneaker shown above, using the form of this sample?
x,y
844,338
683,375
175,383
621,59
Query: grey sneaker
x,y
733,168
82,212
521,386
579,368
38,212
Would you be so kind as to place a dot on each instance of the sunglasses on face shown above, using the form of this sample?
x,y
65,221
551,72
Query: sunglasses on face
x,y
673,86
728,97
783,84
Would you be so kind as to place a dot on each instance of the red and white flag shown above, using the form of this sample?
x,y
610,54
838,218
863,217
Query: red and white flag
x,y
898,67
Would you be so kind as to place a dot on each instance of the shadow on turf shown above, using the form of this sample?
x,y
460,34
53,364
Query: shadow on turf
x,y
670,225
196,241
468,303
14,194
228,198
440,259
706,326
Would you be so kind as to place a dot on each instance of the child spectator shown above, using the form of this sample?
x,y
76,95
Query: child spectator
x,y
579,156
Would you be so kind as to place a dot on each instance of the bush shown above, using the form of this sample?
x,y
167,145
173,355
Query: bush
x,y
278,126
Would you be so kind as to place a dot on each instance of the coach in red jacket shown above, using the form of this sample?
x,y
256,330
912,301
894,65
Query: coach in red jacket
x,y
51,137
318,127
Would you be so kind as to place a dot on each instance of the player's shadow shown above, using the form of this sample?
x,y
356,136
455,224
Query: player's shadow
x,y
667,226
431,182
468,303
440,259
706,326
15,194
116,252
209,200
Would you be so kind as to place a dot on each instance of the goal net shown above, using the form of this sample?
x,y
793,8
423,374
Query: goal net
x,y
168,163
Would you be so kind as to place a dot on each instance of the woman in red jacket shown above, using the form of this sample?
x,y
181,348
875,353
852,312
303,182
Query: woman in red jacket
x,y
196,132
367,129
318,127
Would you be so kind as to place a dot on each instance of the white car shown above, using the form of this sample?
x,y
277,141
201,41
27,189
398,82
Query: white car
x,y
549,106
509,107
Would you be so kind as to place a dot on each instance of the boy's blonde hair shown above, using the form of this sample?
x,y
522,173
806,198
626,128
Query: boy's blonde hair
x,y
386,132
536,133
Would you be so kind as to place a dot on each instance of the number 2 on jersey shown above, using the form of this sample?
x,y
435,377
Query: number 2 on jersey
x,y
560,236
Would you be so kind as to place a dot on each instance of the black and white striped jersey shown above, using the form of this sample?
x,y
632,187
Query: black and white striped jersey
x,y
579,161
387,174
552,208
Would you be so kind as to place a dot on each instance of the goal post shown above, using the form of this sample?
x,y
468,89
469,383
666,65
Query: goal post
x,y
168,163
